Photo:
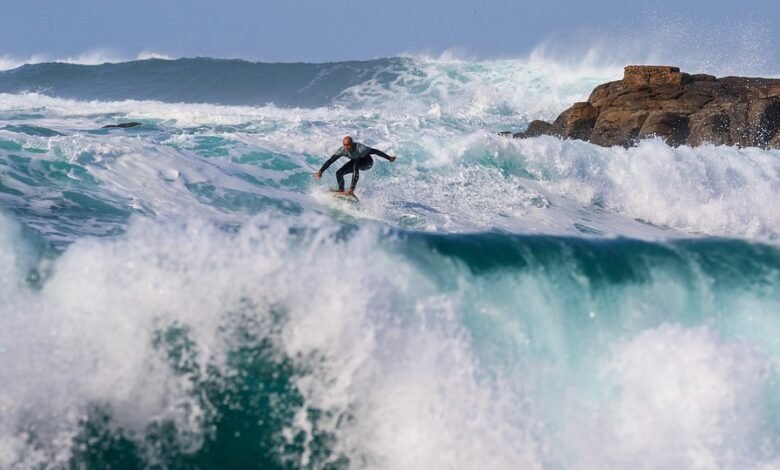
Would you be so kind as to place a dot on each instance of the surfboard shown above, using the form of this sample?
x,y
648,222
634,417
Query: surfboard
x,y
345,196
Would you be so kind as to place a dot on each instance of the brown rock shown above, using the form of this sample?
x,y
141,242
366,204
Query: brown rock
x,y
773,92
664,93
709,127
632,98
681,108
692,101
577,122
638,75
616,127
535,129
599,95
602,95
739,131
673,127
684,102
768,125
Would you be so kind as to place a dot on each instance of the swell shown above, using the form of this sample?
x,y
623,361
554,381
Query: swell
x,y
200,80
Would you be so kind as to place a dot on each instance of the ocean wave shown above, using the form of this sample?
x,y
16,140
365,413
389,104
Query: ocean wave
x,y
416,84
176,341
60,169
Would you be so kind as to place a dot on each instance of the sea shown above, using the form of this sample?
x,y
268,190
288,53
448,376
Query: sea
x,y
184,294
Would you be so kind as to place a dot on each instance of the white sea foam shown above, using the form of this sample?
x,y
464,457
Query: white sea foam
x,y
710,190
87,338
683,398
541,185
389,353
527,88
147,54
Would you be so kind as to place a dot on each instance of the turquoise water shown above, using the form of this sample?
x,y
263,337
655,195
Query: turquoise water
x,y
183,294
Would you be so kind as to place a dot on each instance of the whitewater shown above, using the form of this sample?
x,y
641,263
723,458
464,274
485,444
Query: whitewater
x,y
184,294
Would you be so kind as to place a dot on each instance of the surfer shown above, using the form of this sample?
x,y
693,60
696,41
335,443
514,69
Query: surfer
x,y
359,160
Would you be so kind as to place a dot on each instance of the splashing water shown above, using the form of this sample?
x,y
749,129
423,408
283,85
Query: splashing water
x,y
183,294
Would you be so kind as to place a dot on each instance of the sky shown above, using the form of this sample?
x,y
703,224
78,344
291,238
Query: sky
x,y
333,30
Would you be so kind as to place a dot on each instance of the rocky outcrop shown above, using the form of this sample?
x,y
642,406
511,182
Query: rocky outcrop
x,y
682,109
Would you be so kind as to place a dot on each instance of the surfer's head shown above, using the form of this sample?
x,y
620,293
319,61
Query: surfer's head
x,y
347,141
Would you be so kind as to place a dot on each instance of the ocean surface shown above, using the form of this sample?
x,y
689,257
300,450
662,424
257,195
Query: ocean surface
x,y
183,294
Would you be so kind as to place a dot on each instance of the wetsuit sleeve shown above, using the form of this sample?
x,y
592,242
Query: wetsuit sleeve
x,y
330,162
382,154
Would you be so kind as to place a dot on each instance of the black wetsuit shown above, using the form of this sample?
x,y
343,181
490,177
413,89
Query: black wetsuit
x,y
359,159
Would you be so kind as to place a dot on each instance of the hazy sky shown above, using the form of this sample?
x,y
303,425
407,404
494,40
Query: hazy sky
x,y
325,30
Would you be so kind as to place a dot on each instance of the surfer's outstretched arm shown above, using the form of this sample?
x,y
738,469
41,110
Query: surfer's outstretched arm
x,y
382,154
328,163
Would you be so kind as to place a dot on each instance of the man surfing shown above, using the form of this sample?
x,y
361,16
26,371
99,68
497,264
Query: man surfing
x,y
359,160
